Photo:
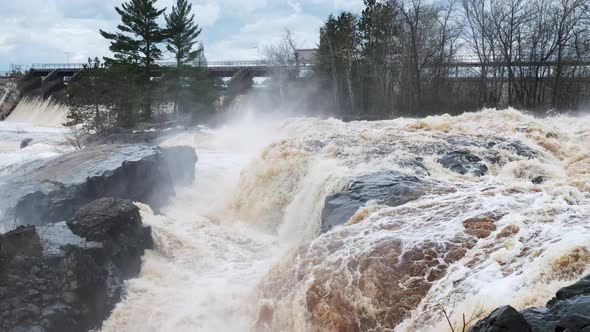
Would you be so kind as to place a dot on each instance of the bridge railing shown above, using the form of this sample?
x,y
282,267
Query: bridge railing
x,y
210,64
235,64
466,60
58,65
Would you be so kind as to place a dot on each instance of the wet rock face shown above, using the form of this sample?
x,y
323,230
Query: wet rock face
x,y
463,162
503,319
22,241
50,191
75,283
104,218
568,311
389,188
181,162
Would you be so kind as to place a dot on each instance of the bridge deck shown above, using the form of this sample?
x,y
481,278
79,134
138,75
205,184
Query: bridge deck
x,y
264,68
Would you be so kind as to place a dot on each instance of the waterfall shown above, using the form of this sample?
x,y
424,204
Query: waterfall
x,y
240,250
39,112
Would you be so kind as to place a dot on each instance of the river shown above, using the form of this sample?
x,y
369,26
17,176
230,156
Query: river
x,y
239,250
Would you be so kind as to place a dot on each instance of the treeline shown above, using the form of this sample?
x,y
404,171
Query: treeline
x,y
399,57
130,87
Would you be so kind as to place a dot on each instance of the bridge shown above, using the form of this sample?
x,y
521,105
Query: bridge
x,y
52,77
220,69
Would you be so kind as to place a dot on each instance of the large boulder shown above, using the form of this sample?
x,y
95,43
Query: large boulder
x,y
389,188
51,190
105,218
464,162
503,319
117,224
21,241
568,311
75,283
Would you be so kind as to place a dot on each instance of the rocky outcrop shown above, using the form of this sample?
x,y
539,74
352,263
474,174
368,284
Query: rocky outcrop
x,y
54,280
389,188
21,241
568,311
181,162
117,224
52,190
24,143
463,162
503,319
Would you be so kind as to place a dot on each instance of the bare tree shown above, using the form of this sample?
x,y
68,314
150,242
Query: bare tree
x,y
281,57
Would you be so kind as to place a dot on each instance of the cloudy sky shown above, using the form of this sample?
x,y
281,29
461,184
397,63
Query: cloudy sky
x,y
43,31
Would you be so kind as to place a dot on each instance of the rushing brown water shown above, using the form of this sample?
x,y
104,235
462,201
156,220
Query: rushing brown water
x,y
240,250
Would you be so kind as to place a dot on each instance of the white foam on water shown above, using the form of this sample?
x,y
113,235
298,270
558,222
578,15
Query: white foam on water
x,y
239,251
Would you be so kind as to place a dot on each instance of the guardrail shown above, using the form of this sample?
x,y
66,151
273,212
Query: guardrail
x,y
58,65
522,58
467,60
210,64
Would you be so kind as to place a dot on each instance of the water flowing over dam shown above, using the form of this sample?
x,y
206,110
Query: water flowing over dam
x,y
35,120
492,208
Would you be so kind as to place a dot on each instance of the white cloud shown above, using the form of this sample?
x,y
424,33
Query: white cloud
x,y
35,31
349,5
256,36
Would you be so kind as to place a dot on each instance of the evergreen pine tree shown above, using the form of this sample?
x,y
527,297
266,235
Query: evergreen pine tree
x,y
136,41
182,34
188,83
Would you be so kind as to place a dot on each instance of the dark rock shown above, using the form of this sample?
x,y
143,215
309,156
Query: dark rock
x,y
181,162
568,311
390,188
463,162
538,180
116,223
104,218
548,319
520,149
582,287
24,143
573,323
49,191
503,319
21,241
77,283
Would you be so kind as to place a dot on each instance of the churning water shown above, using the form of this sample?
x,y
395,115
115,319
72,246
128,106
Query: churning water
x,y
239,250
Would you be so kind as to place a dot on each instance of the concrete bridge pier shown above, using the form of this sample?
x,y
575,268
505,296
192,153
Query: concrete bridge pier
x,y
52,83
31,82
240,83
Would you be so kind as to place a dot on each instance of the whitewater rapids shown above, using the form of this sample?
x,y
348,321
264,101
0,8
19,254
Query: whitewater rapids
x,y
239,250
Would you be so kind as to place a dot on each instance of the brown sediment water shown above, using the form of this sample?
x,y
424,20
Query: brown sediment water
x,y
240,250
